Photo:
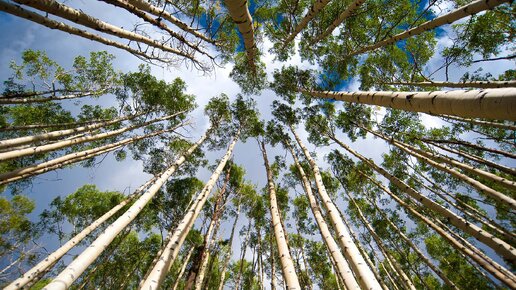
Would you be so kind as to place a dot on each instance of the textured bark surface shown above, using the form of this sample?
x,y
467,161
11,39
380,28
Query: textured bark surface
x,y
459,13
473,84
339,20
316,7
14,101
341,264
480,122
240,14
363,273
171,250
287,265
65,279
489,103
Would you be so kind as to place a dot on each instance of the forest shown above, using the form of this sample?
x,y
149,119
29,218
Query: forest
x,y
262,144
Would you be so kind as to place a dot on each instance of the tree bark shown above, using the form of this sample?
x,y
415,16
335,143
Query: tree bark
x,y
230,250
316,7
240,14
44,126
499,246
289,272
171,250
364,275
79,264
459,13
183,268
472,84
341,264
471,145
338,21
497,104
242,258
15,101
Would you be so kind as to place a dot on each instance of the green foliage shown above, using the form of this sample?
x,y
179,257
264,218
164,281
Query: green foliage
x,y
15,227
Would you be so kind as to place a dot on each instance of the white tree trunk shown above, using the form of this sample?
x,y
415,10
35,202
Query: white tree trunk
x,y
240,14
316,7
472,84
14,101
287,265
489,103
65,279
364,275
171,250
183,268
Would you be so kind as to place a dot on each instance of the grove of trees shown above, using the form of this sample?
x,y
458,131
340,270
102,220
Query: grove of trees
x,y
386,201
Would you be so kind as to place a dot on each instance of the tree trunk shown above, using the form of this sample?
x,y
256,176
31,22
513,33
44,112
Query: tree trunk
x,y
273,264
471,145
501,247
14,101
289,272
472,84
79,17
338,21
240,14
52,24
230,249
341,264
242,257
481,122
79,264
183,268
66,143
364,275
44,126
464,11
316,7
160,270
489,103
208,237
61,133
485,262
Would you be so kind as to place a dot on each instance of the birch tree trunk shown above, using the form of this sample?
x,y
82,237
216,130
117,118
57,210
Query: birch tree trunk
x,y
464,11
66,143
242,257
497,104
43,266
61,133
79,17
364,275
240,14
471,145
14,101
338,21
499,246
341,264
485,262
480,122
316,7
52,24
79,264
230,250
183,268
472,84
287,265
171,250
44,126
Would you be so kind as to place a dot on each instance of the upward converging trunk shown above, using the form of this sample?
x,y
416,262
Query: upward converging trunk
x,y
472,84
230,248
501,247
470,145
15,101
363,273
240,14
316,7
171,249
338,21
480,122
464,11
289,272
489,103
65,279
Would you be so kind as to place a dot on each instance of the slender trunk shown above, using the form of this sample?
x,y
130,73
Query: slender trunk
x,y
289,272
390,259
59,162
485,262
338,21
192,273
44,126
341,264
168,256
162,13
14,101
428,158
501,247
489,103
505,169
316,7
12,95
242,257
240,14
364,275
44,266
67,143
230,249
273,263
79,264
52,24
459,13
471,145
472,84
183,268
61,133
79,17
208,237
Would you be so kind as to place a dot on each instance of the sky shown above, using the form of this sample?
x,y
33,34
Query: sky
x,y
18,35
